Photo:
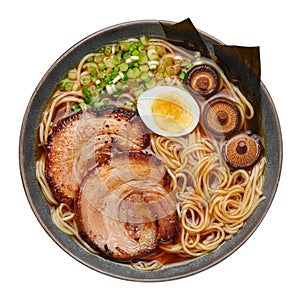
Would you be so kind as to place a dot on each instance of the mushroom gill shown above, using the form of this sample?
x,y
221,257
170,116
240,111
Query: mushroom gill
x,y
221,116
203,80
242,150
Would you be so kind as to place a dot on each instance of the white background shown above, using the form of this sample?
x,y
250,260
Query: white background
x,y
33,35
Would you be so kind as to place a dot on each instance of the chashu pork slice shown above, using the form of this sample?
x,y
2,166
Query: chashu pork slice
x,y
124,207
81,141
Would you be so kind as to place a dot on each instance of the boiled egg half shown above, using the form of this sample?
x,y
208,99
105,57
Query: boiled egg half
x,y
168,110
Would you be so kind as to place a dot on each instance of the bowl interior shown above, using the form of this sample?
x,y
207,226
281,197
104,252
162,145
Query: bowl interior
x,y
273,147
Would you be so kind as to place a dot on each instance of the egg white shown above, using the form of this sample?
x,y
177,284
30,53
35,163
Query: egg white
x,y
145,103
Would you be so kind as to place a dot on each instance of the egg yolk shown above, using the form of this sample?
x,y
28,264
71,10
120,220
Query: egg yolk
x,y
171,113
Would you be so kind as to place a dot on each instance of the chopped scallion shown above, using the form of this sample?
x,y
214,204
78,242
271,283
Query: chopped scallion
x,y
115,59
144,68
107,50
85,80
145,77
101,66
132,47
135,52
152,54
90,59
98,58
109,63
69,86
97,104
94,74
143,59
72,74
116,79
128,104
126,55
75,107
83,106
150,84
107,79
111,89
89,100
124,46
64,82
182,75
133,73
114,74
76,87
86,92
144,40
105,102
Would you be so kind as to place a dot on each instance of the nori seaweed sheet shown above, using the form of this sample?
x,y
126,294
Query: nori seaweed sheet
x,y
240,64
184,34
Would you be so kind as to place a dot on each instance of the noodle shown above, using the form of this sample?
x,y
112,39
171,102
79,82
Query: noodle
x,y
212,212
213,201
47,118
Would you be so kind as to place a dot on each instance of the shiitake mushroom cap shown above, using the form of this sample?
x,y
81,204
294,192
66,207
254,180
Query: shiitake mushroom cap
x,y
203,80
221,116
242,150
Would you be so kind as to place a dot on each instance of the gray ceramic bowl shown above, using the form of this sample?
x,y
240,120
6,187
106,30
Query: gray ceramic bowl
x,y
273,147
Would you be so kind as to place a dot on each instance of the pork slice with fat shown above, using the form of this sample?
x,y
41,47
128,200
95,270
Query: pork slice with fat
x,y
84,139
124,209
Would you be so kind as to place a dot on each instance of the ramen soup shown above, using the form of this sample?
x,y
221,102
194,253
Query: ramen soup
x,y
146,154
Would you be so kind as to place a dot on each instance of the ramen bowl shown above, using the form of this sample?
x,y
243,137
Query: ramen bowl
x,y
270,128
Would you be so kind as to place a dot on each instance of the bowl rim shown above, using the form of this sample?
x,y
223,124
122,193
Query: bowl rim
x,y
115,269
